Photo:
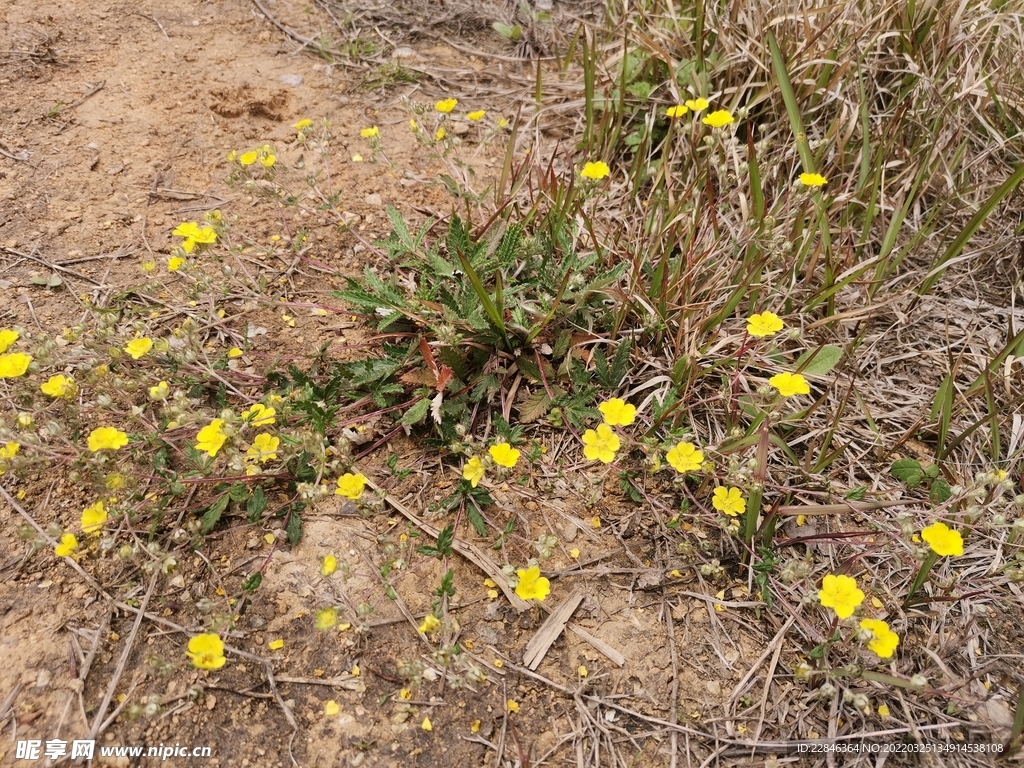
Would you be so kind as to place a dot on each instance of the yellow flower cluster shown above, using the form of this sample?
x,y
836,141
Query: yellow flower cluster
x,y
263,155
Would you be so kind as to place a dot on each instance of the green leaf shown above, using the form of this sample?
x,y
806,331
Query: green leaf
x,y
252,583
509,33
907,471
49,281
417,413
825,359
257,504
212,515
857,493
294,529
238,492
940,491
535,406
477,520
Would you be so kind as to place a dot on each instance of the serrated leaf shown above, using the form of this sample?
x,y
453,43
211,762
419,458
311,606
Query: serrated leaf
x,y
907,471
535,406
940,491
417,413
825,359
477,520
212,515
256,504
238,492
435,407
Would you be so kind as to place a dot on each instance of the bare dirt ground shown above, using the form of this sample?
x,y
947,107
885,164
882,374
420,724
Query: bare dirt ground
x,y
115,120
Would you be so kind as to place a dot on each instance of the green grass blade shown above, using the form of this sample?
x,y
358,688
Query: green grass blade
x,y
957,246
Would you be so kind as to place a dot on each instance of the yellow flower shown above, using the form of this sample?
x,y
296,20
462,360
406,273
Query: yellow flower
x,y
14,365
259,415
883,640
429,624
617,412
503,122
174,263
413,125
107,439
504,455
148,265
718,119
326,618
350,486
697,104
302,124
790,384
764,324
249,157
532,586
267,159
331,708
9,451
729,501
329,565
813,180
473,471
445,106
159,392
369,133
206,651
196,235
943,540
7,337
841,594
232,155
439,134
113,481
477,115
677,111
68,544
138,347
685,457
211,438
263,448
513,705
59,386
600,444
595,170
24,420
404,694
94,517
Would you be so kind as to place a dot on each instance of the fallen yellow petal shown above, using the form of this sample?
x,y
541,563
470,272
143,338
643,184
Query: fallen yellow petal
x,y
426,725
276,645
331,708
